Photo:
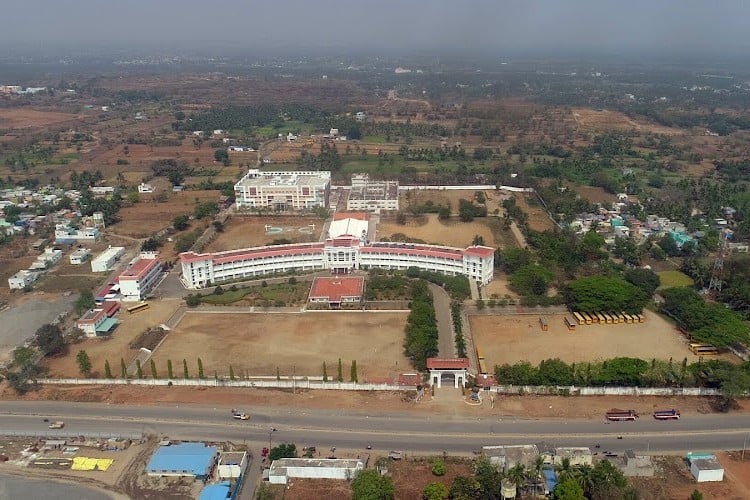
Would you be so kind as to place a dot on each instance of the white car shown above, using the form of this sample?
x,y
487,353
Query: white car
x,y
241,416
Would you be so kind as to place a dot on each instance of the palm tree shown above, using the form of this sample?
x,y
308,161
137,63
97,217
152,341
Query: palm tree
x,y
536,472
518,475
586,477
565,470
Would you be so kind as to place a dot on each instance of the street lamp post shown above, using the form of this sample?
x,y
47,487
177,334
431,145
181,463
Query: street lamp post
x,y
270,433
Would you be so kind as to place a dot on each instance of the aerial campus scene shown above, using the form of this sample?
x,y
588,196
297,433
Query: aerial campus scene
x,y
381,250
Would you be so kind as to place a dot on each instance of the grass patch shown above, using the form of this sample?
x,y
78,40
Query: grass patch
x,y
670,279
275,294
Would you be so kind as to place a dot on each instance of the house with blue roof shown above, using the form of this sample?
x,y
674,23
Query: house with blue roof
x,y
195,460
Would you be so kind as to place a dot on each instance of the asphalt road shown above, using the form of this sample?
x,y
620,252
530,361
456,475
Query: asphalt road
x,y
353,430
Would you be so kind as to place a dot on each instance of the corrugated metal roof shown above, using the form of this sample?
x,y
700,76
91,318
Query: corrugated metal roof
x,y
218,491
184,457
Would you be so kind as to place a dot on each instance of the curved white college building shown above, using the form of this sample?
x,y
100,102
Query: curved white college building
x,y
341,255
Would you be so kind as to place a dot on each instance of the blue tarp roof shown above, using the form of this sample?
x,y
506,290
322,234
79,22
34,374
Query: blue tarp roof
x,y
184,457
215,491
551,477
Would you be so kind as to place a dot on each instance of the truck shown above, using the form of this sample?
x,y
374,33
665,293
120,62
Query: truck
x,y
57,425
667,414
620,415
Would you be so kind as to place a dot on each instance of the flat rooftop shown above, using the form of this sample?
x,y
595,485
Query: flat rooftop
x,y
375,190
182,457
281,179
139,268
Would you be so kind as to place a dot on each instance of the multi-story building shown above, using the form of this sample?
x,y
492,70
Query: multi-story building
x,y
140,277
282,191
372,196
340,255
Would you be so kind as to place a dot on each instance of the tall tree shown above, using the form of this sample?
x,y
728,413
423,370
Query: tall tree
x,y
170,374
370,485
123,369
85,301
354,371
49,338
84,363
185,372
153,368
201,375
340,374
107,369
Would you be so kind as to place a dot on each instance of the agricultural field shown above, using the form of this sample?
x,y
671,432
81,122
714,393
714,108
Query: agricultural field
x,y
592,120
251,231
23,118
258,344
447,197
451,232
513,338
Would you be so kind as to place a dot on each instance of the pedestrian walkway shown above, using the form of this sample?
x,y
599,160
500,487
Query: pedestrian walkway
x,y
474,290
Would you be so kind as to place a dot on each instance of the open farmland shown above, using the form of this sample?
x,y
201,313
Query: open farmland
x,y
513,338
538,218
21,118
257,344
250,231
145,218
451,232
445,197
589,120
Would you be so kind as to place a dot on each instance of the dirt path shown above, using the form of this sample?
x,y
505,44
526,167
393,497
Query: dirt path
x,y
518,235
442,303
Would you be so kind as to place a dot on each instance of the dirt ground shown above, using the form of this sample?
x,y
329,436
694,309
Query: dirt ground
x,y
598,120
409,479
509,339
499,287
258,344
148,217
450,232
18,117
250,231
442,197
594,194
674,480
115,346
538,218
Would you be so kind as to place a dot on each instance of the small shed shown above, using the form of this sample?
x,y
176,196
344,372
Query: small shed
x,y
705,467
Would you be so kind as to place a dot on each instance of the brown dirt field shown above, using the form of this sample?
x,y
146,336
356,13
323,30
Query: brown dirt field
x,y
538,218
596,121
146,217
28,118
115,346
439,197
257,344
315,489
508,339
452,232
411,477
674,480
250,231
595,194
498,286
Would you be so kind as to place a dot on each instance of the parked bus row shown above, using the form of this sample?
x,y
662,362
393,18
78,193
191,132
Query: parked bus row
x,y
584,318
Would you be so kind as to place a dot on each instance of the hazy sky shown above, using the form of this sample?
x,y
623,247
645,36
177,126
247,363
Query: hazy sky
x,y
465,25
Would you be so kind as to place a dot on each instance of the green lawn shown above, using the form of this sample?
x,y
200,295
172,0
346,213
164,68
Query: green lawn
x,y
279,292
670,279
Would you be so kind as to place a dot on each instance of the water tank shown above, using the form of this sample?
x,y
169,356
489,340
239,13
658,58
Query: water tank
x,y
508,489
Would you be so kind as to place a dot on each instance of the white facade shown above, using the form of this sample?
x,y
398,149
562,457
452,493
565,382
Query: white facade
x,y
231,464
706,469
316,468
106,260
80,256
22,279
140,277
281,191
145,188
65,232
49,258
89,322
341,254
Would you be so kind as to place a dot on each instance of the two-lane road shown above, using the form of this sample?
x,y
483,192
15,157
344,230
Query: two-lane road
x,y
354,429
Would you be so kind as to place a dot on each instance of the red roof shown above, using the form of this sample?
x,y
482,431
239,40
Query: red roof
x,y
139,269
253,253
351,215
110,307
447,363
480,251
335,288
